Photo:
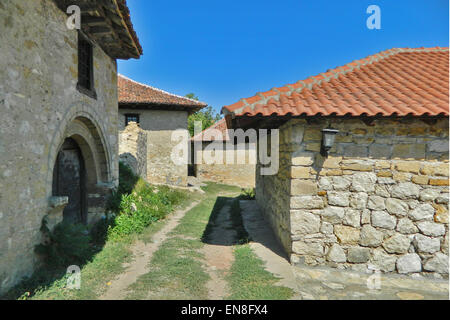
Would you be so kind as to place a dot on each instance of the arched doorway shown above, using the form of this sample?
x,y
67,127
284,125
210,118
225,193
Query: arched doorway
x,y
69,180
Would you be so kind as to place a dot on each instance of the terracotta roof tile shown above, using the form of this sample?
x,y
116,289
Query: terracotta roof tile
x,y
399,81
132,92
207,134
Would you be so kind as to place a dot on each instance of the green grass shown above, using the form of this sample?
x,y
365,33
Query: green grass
x,y
177,273
250,281
140,211
177,270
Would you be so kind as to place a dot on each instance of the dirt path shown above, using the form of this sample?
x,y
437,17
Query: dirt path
x,y
142,253
218,253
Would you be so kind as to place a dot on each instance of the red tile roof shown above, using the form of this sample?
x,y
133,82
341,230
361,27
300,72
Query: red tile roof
x,y
132,92
207,135
400,81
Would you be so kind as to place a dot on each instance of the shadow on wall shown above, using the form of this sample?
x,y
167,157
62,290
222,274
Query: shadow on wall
x,y
130,160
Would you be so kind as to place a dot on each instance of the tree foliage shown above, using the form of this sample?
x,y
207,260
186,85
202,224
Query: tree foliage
x,y
207,116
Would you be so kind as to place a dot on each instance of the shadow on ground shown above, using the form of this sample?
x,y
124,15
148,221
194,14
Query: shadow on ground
x,y
226,226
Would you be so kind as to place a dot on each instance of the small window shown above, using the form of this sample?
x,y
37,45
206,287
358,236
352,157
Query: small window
x,y
131,118
85,66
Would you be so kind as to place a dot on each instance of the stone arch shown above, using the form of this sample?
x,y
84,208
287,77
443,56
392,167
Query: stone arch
x,y
84,126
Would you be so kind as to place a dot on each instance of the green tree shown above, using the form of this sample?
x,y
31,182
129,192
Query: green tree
x,y
207,116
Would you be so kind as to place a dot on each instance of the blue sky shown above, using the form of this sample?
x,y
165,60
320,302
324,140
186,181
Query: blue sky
x,y
227,50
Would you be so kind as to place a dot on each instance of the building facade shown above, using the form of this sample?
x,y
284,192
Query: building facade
x,y
234,164
159,115
377,200
58,134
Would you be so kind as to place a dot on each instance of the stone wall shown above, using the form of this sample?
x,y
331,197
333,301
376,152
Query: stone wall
x,y
378,201
233,173
133,148
159,126
273,193
40,106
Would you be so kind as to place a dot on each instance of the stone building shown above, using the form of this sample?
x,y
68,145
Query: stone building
x,y
236,164
378,198
58,128
159,114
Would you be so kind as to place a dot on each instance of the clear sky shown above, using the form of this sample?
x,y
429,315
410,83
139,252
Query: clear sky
x,y
227,50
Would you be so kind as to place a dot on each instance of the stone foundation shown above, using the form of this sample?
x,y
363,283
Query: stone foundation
x,y
379,201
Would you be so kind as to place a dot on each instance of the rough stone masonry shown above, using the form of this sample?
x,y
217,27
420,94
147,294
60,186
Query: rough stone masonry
x,y
379,201
41,108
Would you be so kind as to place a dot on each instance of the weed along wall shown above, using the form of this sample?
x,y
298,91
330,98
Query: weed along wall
x,y
379,200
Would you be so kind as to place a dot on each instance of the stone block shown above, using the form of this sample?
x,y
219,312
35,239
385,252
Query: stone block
x,y
383,164
312,134
401,176
384,262
358,200
438,146
430,169
397,207
422,180
439,263
429,194
336,254
408,166
409,263
364,182
304,222
409,151
357,151
376,203
398,244
431,229
340,199
406,190
352,218
347,235
308,248
307,202
300,172
422,212
341,183
333,214
358,255
425,244
303,187
384,220
439,182
303,159
384,174
332,162
406,226
380,151
370,237
441,214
